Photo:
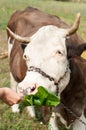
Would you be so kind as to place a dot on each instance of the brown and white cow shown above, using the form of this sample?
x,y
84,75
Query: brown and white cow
x,y
45,60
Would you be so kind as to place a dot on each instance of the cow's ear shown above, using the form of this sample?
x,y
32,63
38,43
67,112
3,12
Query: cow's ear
x,y
80,49
75,50
23,46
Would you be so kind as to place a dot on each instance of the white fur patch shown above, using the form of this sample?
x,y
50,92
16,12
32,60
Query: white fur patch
x,y
52,122
79,125
15,108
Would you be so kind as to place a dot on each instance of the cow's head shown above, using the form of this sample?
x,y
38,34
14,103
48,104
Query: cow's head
x,y
46,58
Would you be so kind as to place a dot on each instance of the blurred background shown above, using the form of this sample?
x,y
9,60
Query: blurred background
x,y
66,10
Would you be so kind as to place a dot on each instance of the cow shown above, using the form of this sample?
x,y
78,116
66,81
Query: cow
x,y
39,46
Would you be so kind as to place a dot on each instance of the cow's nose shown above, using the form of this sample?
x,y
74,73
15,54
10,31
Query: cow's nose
x,y
30,89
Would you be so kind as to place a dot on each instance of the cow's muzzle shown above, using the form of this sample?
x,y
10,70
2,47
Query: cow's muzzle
x,y
31,89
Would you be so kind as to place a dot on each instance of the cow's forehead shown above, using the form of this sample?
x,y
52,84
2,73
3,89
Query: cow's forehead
x,y
48,37
50,30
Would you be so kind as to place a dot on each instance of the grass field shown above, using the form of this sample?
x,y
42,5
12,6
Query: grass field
x,y
65,10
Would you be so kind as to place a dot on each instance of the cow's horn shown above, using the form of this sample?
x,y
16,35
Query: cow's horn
x,y
17,37
75,26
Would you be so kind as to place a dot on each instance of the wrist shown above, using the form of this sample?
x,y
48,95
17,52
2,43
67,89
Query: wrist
x,y
2,91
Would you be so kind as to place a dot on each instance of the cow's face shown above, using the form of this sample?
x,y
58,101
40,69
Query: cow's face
x,y
46,51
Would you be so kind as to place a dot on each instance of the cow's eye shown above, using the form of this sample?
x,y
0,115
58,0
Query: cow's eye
x,y
59,52
25,57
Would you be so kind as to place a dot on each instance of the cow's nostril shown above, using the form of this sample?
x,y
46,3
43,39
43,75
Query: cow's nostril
x,y
25,91
32,89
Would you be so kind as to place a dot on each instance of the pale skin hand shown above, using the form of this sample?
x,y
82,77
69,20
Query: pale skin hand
x,y
8,96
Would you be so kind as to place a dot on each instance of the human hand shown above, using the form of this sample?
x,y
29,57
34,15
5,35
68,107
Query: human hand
x,y
9,96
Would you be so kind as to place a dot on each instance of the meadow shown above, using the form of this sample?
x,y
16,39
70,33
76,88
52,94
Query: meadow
x,y
66,11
